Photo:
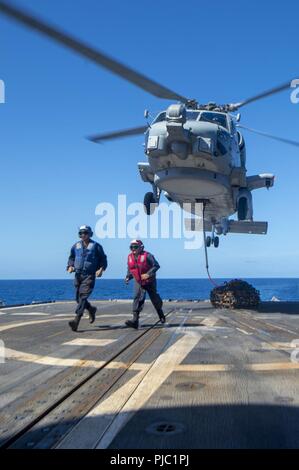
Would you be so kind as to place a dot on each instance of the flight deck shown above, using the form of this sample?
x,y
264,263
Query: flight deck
x,y
208,378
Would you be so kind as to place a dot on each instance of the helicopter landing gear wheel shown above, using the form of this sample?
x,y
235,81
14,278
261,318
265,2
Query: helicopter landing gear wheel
x,y
212,240
149,203
208,241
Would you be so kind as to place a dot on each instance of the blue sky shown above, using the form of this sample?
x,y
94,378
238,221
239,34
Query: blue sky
x,y
52,178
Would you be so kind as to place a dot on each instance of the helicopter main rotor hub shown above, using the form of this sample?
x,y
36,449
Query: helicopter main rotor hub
x,y
211,106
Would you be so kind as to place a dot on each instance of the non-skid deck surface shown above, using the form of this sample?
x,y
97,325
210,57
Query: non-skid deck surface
x,y
206,379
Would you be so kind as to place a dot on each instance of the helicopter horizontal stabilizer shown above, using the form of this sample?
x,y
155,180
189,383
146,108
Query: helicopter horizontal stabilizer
x,y
265,180
247,226
233,226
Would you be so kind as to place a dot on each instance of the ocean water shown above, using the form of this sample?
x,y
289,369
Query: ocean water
x,y
28,291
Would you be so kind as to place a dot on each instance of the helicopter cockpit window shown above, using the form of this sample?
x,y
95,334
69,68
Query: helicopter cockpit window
x,y
192,115
215,118
161,117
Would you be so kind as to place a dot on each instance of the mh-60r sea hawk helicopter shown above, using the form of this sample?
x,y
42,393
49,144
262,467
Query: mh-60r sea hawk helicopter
x,y
196,154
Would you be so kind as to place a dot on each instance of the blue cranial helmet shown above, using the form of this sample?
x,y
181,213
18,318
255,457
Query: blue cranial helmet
x,y
85,229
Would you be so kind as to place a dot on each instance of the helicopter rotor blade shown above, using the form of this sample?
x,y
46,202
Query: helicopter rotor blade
x,y
92,54
118,134
272,91
270,136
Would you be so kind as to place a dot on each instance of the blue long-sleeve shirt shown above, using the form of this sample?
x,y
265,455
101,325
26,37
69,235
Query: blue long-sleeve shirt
x,y
101,261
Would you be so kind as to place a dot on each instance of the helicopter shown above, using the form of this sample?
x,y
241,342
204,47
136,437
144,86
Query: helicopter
x,y
196,153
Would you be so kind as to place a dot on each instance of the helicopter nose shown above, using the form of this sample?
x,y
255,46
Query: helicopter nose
x,y
178,138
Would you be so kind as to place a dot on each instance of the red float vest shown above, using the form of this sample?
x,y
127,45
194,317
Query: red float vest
x,y
138,267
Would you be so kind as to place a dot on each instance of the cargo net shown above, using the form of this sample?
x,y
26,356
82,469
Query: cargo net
x,y
235,294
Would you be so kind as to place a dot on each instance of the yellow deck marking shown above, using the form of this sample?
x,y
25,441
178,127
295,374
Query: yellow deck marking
x,y
277,345
62,362
244,332
44,305
209,321
203,367
12,325
50,360
25,314
63,315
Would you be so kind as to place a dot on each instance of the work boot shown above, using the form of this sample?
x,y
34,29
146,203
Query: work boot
x,y
162,316
74,323
92,314
134,322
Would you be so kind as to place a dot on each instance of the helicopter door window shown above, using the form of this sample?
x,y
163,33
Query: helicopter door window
x,y
215,118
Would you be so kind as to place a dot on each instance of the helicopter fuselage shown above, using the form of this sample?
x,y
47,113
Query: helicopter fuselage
x,y
191,156
199,156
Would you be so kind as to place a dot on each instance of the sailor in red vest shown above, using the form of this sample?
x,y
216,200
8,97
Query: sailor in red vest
x,y
142,266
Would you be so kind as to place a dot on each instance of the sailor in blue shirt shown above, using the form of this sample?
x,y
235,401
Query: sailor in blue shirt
x,y
88,261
